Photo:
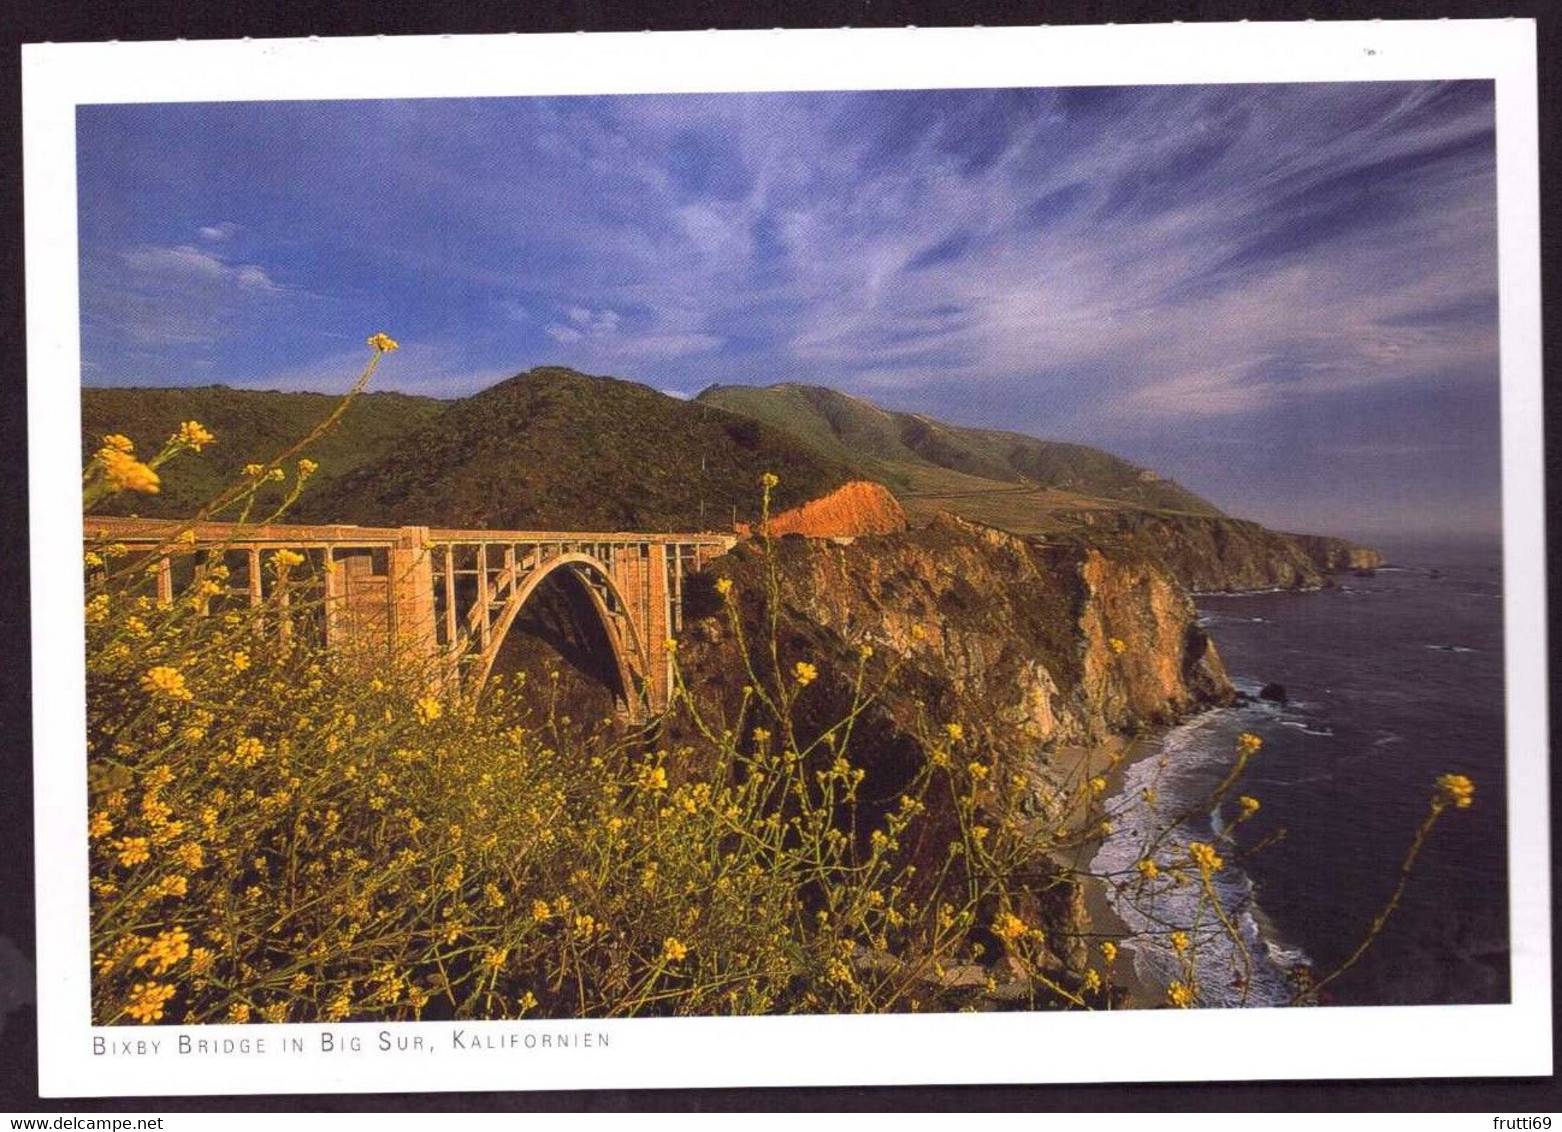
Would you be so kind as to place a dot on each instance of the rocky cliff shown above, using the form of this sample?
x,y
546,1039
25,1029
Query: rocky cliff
x,y
1209,554
1335,554
1024,646
857,508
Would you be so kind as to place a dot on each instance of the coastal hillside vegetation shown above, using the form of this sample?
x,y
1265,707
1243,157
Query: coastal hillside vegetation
x,y
555,449
266,422
915,453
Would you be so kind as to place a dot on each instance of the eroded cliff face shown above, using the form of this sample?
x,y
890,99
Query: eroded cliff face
x,y
1336,554
857,508
1211,555
1024,645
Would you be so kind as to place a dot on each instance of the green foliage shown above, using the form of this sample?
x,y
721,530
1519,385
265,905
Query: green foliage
x,y
555,449
908,451
248,425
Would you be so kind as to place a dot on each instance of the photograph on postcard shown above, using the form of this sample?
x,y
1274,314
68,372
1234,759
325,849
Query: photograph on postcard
x,y
928,551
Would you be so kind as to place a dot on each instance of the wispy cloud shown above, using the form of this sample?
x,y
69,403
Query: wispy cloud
x,y
174,295
1096,263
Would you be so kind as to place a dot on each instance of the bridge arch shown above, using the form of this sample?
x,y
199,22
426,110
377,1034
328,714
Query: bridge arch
x,y
630,658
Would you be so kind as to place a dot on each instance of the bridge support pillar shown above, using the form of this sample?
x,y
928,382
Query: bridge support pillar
x,y
411,570
658,628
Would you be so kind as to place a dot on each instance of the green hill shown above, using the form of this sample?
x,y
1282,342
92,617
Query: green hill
x,y
986,474
250,426
557,449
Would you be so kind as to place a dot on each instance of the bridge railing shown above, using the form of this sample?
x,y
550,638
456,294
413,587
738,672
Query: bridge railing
x,y
441,595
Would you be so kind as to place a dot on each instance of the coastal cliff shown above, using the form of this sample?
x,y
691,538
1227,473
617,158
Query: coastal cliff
x,y
1025,647
1217,554
1025,644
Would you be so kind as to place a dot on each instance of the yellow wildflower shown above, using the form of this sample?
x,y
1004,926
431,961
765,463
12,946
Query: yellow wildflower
x,y
494,958
339,1008
724,586
1249,743
193,434
239,661
673,951
239,1013
651,778
125,473
147,1001
1117,645
174,885
806,673
429,709
1455,790
101,825
1148,869
307,468
1092,980
254,471
132,850
1205,857
202,959
1249,805
167,949
769,480
954,731
165,681
1180,994
540,910
1008,926
1109,951
384,343
1097,784
285,559
119,443
978,771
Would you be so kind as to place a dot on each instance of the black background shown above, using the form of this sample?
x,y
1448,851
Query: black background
x,y
24,22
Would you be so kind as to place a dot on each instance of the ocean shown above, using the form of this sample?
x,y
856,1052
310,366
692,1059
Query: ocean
x,y
1392,679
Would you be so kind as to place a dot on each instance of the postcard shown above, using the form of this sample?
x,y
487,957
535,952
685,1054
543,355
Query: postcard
x,y
788,558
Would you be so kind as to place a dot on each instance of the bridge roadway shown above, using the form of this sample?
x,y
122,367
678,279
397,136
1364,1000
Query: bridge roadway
x,y
436,596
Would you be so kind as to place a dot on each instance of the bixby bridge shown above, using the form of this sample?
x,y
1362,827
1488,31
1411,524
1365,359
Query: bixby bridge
x,y
446,599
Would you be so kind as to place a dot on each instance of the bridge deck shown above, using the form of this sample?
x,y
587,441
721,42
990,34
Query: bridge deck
x,y
134,530
444,594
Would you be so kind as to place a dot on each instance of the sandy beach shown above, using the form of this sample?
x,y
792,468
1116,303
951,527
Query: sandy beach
x,y
1070,766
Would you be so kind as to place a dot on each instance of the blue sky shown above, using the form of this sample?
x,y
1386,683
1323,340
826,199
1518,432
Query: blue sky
x,y
1283,296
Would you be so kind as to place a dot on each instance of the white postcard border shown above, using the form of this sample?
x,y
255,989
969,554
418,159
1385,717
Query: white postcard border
x,y
1386,1042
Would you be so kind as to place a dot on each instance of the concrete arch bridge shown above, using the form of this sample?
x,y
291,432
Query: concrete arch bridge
x,y
447,598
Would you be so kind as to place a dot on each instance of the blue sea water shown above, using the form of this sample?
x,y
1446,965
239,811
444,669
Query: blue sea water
x,y
1392,679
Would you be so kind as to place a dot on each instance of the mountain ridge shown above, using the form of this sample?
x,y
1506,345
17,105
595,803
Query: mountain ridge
x,y
914,452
